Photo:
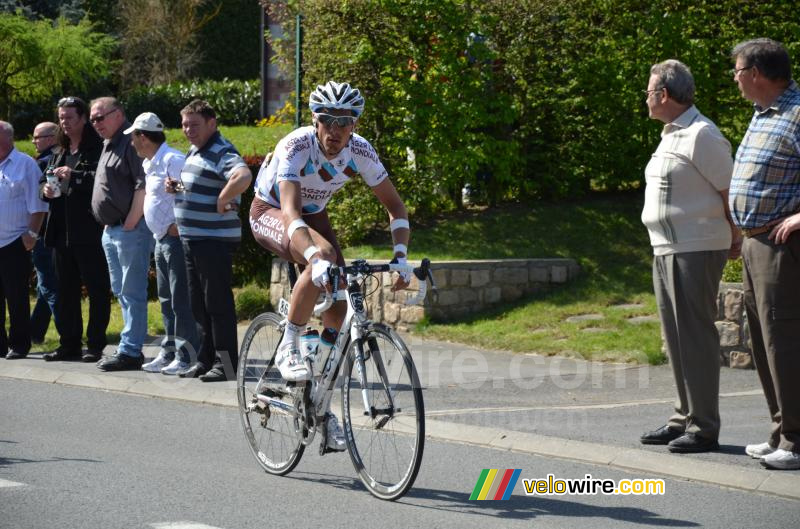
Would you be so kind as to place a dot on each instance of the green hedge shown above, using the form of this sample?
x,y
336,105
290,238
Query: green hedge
x,y
522,99
236,102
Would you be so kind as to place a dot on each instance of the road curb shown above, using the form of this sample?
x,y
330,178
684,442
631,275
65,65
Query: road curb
x,y
786,485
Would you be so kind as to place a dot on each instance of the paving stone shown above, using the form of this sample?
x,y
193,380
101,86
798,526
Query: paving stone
x,y
584,317
628,306
638,320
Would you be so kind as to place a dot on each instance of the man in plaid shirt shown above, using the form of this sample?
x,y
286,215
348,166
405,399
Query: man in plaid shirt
x,y
765,204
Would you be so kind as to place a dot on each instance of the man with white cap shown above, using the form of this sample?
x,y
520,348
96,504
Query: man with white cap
x,y
160,164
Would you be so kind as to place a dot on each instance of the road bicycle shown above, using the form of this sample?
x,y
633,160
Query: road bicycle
x,y
383,414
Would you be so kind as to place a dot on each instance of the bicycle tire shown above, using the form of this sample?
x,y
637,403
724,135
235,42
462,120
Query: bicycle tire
x,y
274,440
387,458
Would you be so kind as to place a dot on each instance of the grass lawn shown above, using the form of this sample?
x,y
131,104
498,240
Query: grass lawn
x,y
603,233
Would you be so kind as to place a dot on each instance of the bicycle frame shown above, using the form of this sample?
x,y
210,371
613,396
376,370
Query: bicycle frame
x,y
352,331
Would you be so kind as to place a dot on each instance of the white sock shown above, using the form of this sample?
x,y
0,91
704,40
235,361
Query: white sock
x,y
291,334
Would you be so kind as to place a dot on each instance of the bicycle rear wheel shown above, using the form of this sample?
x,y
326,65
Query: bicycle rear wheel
x,y
271,433
385,445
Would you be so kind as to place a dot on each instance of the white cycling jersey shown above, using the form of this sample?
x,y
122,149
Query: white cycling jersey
x,y
298,158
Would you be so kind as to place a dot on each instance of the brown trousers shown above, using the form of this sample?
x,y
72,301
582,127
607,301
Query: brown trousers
x,y
686,286
772,301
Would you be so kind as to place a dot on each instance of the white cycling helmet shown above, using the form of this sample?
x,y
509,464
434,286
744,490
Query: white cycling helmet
x,y
335,95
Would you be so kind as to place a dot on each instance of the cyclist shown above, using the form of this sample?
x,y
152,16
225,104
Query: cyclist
x,y
288,215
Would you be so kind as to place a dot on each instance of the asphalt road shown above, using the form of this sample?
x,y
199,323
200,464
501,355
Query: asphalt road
x,y
84,458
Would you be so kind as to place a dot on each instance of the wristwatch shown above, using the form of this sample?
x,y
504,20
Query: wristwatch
x,y
33,234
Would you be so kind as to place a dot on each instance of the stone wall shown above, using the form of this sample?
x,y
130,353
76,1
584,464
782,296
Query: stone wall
x,y
734,334
463,287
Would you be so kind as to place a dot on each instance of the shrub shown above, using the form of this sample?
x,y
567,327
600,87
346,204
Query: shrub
x,y
732,273
522,99
251,301
236,102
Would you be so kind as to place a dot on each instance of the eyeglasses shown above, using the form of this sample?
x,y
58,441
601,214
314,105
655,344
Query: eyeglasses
x,y
340,121
36,138
654,90
101,117
67,101
736,71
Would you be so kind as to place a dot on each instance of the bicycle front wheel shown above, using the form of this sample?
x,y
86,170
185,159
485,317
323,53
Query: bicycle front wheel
x,y
383,413
271,432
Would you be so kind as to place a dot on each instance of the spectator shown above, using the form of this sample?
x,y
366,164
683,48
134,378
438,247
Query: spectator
x,y
21,215
765,202
74,235
118,204
44,141
214,176
160,163
686,214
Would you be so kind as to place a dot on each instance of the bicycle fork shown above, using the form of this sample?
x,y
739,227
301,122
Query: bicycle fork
x,y
373,352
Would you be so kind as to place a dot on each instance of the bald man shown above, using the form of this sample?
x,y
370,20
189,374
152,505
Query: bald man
x,y
45,138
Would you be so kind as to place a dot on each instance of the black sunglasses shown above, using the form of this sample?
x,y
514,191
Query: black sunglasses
x,y
340,121
98,119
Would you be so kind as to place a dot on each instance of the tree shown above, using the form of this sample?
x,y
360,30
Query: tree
x,y
72,10
39,57
159,40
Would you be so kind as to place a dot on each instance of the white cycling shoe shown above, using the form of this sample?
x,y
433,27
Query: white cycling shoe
x,y
335,436
291,364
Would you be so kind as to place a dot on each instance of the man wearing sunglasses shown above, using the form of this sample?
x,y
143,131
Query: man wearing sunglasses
x,y
44,141
692,235
118,204
288,215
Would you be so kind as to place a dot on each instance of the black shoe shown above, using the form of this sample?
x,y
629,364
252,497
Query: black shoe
x,y
121,362
193,372
692,443
15,355
213,375
91,356
661,436
61,355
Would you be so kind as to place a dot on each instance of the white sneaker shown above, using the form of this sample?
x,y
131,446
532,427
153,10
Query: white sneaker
x,y
291,363
758,451
335,438
173,367
782,460
157,363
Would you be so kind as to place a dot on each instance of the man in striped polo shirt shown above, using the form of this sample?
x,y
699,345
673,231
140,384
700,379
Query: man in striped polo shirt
x,y
206,211
765,202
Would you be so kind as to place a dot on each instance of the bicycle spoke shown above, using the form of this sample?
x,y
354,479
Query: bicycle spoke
x,y
274,441
387,458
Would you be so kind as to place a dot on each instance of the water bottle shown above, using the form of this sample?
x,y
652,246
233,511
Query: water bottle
x,y
52,181
309,342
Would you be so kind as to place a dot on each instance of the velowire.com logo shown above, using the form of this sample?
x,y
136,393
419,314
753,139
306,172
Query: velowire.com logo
x,y
495,484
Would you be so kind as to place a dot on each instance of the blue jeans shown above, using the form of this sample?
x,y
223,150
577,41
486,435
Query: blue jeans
x,y
182,335
46,291
128,256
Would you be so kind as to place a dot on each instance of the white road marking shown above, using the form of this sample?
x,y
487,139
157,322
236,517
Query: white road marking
x,y
468,411
5,483
182,525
